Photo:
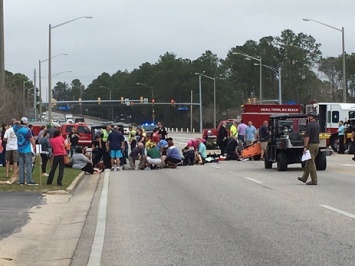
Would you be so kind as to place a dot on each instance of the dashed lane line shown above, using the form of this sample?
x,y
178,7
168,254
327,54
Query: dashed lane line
x,y
98,243
254,180
338,211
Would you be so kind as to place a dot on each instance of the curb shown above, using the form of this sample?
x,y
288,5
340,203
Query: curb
x,y
75,183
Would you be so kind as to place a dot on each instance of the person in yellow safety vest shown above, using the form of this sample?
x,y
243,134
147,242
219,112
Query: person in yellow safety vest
x,y
105,154
233,131
132,137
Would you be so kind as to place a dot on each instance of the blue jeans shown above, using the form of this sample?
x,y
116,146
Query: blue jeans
x,y
25,166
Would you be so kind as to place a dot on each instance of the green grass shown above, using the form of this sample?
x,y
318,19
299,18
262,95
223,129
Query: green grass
x,y
69,175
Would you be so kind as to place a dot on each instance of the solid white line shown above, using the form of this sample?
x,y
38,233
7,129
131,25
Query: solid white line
x,y
254,180
338,211
98,244
347,164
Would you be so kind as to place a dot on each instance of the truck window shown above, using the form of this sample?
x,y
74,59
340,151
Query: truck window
x,y
335,117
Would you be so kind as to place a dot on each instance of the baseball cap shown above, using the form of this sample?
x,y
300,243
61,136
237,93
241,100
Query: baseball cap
x,y
24,120
314,114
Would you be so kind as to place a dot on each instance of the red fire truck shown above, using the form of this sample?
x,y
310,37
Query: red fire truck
x,y
329,116
258,113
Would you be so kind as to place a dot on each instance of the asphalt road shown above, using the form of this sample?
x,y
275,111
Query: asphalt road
x,y
14,208
227,213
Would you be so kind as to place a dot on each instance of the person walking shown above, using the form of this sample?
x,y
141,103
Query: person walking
x,y
58,149
11,149
311,143
26,149
341,132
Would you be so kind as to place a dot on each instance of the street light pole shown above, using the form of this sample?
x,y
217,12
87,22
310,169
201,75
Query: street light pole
x,y
50,63
152,89
260,76
214,96
40,83
110,100
343,51
200,98
277,72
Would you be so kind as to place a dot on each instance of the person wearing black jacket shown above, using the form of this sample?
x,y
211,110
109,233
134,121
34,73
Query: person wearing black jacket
x,y
222,138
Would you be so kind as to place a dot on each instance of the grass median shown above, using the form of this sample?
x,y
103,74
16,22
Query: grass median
x,y
69,175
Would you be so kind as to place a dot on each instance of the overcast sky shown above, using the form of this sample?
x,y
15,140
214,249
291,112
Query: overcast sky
x,y
123,34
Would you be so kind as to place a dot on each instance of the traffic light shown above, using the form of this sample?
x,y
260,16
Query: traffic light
x,y
141,99
131,103
99,100
122,100
79,101
172,102
153,101
254,100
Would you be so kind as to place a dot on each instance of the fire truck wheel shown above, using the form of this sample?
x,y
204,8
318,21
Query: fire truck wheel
x,y
281,162
321,161
267,163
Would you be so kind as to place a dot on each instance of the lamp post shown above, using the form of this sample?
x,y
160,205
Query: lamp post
x,y
200,98
214,96
152,90
261,73
40,83
50,63
103,87
343,51
277,72
23,95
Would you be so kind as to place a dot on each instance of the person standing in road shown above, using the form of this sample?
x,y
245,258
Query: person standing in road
x,y
222,138
311,143
105,153
233,131
163,133
26,149
115,145
241,131
250,134
263,138
341,131
73,140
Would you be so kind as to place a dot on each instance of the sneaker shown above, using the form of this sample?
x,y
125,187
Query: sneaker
x,y
32,184
117,169
45,174
113,169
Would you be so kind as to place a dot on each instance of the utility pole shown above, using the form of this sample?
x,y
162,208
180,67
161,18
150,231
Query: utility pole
x,y
2,48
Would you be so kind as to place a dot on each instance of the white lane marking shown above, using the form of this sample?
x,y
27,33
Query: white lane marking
x,y
254,180
338,211
347,164
98,244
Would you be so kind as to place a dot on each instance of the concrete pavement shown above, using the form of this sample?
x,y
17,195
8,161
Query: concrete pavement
x,y
51,236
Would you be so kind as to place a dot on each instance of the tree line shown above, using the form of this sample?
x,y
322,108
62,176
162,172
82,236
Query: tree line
x,y
306,76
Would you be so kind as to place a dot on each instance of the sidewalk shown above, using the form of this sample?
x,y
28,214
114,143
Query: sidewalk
x,y
51,236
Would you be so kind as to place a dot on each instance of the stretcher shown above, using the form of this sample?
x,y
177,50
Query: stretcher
x,y
251,151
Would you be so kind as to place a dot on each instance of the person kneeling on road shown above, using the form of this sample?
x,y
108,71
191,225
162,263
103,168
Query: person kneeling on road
x,y
137,154
153,157
173,155
80,161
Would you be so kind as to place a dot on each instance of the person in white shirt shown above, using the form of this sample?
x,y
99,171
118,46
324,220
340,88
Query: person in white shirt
x,y
11,154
